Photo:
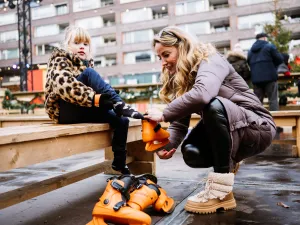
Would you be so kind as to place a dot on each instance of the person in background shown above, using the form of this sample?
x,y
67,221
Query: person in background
x,y
234,124
263,59
285,67
76,93
238,60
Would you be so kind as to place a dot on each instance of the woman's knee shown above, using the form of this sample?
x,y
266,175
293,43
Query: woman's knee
x,y
192,156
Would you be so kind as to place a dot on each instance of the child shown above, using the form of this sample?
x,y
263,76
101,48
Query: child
x,y
76,93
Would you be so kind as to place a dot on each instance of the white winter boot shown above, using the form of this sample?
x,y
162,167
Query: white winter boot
x,y
217,194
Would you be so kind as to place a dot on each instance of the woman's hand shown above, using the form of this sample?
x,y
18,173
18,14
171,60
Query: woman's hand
x,y
154,114
164,154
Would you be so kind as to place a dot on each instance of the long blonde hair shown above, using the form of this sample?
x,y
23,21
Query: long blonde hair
x,y
79,34
190,54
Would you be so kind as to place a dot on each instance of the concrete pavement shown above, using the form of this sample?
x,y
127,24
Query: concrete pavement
x,y
260,184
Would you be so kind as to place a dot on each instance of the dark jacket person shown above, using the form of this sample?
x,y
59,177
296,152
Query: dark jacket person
x,y
263,59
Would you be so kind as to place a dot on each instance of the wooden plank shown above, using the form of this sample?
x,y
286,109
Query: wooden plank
x,y
32,182
287,142
30,152
285,113
36,132
298,137
285,121
27,153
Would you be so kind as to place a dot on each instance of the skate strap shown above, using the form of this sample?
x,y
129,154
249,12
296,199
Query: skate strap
x,y
121,189
154,187
157,127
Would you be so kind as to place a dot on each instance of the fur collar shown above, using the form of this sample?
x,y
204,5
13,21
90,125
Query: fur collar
x,y
58,52
236,54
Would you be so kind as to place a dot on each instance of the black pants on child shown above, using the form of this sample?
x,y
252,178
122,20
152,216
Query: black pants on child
x,y
70,113
209,143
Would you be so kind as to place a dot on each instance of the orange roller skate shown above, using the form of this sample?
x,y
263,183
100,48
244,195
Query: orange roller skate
x,y
154,136
112,205
149,193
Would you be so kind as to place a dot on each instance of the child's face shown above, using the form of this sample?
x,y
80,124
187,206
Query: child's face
x,y
82,49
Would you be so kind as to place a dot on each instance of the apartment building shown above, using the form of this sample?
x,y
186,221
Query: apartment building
x,y
122,30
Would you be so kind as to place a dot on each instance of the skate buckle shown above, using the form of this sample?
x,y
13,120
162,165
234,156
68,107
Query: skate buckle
x,y
119,205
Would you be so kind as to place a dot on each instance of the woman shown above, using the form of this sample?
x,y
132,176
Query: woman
x,y
234,124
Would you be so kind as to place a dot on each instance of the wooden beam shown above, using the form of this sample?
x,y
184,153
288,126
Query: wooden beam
x,y
46,182
285,121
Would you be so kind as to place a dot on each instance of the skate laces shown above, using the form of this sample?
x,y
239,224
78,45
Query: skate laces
x,y
204,195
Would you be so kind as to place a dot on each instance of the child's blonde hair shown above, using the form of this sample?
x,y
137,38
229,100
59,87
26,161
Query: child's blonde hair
x,y
79,34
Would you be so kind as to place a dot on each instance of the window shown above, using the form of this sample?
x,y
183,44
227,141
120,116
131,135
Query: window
x,y
49,30
106,60
246,44
9,54
250,2
8,18
136,15
61,9
248,22
82,5
48,11
197,28
9,36
43,12
189,7
46,48
90,23
138,36
100,41
127,1
136,57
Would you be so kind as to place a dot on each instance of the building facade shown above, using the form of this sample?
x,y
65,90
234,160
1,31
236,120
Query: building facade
x,y
122,30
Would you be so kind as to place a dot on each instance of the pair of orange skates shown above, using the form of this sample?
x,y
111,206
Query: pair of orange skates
x,y
125,198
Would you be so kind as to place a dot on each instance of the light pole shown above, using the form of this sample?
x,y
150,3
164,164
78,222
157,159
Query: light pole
x,y
25,39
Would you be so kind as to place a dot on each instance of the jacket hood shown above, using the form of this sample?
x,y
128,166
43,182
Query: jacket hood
x,y
236,54
258,45
58,52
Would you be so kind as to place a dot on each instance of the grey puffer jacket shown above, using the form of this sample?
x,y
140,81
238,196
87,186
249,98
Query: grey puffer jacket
x,y
216,78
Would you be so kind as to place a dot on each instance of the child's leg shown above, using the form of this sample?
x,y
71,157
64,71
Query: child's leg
x,y
120,126
91,78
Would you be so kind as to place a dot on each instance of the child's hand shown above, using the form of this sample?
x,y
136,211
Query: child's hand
x,y
164,154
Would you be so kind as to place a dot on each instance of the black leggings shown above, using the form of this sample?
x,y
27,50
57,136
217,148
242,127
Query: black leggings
x,y
209,143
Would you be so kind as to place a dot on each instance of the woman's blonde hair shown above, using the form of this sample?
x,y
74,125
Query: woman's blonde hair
x,y
190,54
79,34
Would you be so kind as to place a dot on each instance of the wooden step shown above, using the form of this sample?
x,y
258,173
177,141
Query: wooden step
x,y
20,184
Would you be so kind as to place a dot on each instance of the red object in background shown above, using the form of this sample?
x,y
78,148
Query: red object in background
x,y
297,60
288,73
35,81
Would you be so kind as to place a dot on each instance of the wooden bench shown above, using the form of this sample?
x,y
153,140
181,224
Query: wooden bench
x,y
289,119
40,158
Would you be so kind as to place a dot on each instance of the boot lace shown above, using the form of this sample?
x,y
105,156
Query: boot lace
x,y
204,195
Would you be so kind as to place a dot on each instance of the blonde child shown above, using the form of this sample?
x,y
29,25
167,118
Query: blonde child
x,y
76,93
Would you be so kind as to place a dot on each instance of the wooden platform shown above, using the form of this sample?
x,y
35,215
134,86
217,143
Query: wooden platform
x,y
40,158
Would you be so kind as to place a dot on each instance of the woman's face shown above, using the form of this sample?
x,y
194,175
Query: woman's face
x,y
168,57
81,49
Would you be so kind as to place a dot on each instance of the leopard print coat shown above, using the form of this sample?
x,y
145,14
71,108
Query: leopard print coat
x,y
63,68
